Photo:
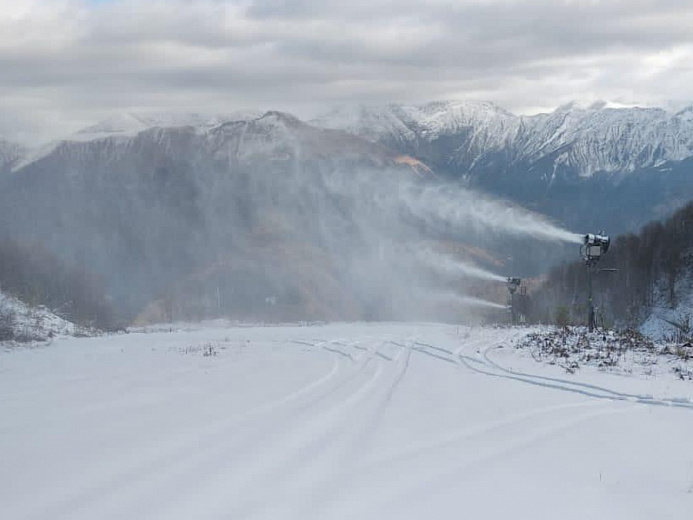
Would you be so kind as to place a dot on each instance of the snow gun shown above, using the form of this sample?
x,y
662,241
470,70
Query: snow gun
x,y
513,284
594,247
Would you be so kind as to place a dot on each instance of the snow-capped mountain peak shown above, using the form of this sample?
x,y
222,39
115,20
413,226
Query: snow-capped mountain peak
x,y
129,123
585,137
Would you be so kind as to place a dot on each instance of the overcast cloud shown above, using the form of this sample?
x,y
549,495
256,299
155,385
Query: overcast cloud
x,y
67,63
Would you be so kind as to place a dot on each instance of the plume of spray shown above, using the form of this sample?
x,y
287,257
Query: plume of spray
x,y
386,211
448,265
465,209
469,301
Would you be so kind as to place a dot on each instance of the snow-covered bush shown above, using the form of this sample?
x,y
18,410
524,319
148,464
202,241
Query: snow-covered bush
x,y
574,347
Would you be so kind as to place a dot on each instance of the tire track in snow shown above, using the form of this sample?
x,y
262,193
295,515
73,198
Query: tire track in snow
x,y
249,449
421,448
326,478
185,451
457,457
305,455
486,366
463,464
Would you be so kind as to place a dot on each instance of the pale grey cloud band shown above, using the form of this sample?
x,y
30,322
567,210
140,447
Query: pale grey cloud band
x,y
64,63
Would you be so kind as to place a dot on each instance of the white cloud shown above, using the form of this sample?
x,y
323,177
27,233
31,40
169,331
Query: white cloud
x,y
65,62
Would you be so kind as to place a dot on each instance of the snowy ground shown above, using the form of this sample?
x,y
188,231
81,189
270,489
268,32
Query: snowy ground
x,y
344,421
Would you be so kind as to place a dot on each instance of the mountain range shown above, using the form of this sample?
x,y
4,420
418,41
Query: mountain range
x,y
580,139
583,164
257,217
264,215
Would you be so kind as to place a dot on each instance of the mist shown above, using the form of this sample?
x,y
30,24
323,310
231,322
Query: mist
x,y
461,208
449,266
471,301
182,226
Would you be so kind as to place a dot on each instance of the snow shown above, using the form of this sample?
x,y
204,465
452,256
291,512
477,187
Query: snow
x,y
130,124
122,127
339,421
35,323
590,137
624,353
408,122
662,319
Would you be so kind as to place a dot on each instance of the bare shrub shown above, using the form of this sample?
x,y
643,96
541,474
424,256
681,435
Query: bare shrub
x,y
8,324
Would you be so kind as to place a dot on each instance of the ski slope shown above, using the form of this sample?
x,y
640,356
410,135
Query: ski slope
x,y
344,421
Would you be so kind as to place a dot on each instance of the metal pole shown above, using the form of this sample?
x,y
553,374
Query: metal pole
x,y
590,303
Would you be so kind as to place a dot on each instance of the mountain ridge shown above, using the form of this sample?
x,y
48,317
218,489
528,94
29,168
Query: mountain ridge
x,y
586,138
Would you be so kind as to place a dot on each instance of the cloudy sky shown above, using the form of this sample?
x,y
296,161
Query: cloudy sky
x,y
67,63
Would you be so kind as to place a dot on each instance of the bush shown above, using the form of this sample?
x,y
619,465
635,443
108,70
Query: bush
x,y
8,322
562,316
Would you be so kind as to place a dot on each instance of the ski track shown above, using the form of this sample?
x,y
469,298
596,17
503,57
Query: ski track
x,y
314,451
266,454
452,472
493,369
183,454
305,496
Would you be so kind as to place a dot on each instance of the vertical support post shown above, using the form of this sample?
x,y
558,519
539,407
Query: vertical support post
x,y
590,302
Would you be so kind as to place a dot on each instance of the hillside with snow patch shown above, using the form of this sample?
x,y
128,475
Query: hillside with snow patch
x,y
21,323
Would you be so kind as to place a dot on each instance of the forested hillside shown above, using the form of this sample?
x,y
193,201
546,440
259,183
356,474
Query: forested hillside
x,y
643,274
35,276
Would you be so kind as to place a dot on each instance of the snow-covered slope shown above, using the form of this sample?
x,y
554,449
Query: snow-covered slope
x,y
597,138
335,422
128,125
20,322
587,138
432,120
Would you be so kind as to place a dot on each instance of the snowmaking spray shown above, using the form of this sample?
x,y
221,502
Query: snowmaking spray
x,y
463,208
448,265
470,301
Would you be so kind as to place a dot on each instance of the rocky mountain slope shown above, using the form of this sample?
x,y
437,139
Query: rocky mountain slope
x,y
586,139
585,165
266,215
240,218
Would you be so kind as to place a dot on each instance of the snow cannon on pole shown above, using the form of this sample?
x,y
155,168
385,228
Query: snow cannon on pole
x,y
513,285
594,247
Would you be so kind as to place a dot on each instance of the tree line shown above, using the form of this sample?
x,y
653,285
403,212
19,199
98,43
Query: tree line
x,y
641,271
31,273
